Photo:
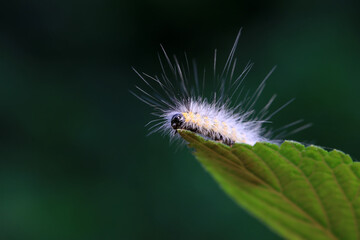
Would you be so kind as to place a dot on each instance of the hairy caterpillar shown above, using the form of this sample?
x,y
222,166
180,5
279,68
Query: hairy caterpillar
x,y
179,101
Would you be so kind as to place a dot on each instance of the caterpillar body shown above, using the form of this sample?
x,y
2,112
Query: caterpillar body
x,y
214,122
226,115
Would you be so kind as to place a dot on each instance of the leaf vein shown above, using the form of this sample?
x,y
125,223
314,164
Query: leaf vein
x,y
346,197
311,187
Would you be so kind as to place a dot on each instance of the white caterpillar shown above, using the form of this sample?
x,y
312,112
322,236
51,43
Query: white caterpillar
x,y
179,106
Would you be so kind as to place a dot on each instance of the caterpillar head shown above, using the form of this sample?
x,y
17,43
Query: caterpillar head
x,y
177,121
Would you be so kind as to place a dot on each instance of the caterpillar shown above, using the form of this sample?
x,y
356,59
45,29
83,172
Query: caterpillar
x,y
179,100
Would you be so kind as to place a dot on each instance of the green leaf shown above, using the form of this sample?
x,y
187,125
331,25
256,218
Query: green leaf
x,y
299,192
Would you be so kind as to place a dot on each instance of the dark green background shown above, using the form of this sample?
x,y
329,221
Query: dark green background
x,y
75,159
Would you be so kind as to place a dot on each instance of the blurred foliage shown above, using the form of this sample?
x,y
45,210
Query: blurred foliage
x,y
70,130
